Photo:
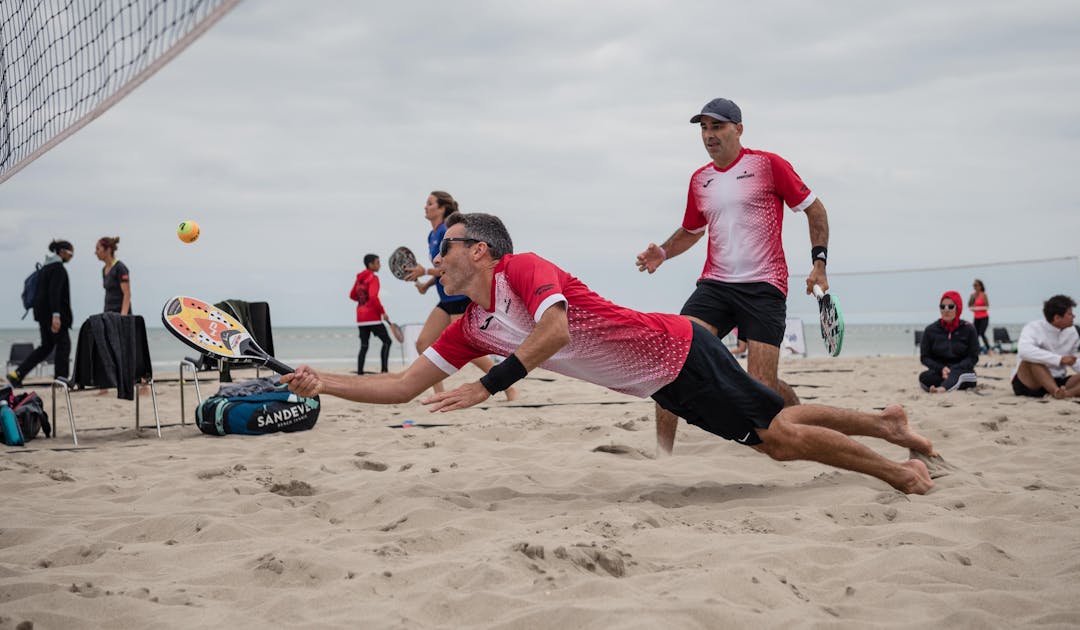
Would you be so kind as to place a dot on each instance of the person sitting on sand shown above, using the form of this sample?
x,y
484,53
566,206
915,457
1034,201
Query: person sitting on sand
x,y
1047,348
537,315
949,349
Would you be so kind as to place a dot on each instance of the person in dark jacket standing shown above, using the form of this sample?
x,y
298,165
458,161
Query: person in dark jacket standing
x,y
52,312
949,349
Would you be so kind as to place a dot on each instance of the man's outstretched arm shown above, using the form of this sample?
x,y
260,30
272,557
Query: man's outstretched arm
x,y
389,388
552,332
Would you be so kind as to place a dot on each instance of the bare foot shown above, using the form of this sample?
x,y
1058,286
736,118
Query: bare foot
x,y
900,433
935,463
936,390
1059,393
102,392
917,481
511,394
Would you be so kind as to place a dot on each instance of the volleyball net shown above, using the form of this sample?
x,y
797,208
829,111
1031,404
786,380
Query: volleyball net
x,y
64,62
1016,290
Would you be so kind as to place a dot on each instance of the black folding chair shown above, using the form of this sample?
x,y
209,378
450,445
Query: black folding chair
x,y
1002,342
20,350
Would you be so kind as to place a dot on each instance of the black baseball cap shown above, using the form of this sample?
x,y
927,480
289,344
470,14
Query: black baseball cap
x,y
721,109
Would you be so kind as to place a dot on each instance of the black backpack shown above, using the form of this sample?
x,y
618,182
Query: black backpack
x,y
30,412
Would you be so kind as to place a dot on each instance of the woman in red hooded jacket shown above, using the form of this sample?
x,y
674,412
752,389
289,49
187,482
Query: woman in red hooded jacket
x,y
949,349
370,313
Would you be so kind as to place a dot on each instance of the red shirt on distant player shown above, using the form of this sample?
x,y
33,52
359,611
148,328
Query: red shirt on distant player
x,y
743,208
616,347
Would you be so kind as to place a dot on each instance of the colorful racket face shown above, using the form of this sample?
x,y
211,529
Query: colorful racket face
x,y
212,331
832,321
401,261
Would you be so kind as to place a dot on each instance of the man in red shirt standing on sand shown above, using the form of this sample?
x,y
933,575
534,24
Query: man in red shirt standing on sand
x,y
537,315
740,196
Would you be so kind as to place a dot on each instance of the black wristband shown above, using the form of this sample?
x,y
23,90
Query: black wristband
x,y
503,375
819,252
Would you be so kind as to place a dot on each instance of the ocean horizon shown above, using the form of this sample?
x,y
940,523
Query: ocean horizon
x,y
336,347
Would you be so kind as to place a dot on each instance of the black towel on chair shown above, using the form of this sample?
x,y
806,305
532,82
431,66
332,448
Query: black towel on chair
x,y
112,352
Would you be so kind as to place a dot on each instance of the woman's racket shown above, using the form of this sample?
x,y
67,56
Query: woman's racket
x,y
396,331
832,321
401,262
214,332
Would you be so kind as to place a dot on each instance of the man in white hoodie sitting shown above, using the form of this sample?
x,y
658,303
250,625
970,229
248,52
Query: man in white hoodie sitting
x,y
1045,352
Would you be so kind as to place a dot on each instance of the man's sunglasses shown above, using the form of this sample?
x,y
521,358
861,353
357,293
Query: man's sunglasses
x,y
444,246
947,307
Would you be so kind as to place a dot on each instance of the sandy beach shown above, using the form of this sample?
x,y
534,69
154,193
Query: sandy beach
x,y
550,512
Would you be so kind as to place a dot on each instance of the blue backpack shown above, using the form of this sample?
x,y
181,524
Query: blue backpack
x,y
29,291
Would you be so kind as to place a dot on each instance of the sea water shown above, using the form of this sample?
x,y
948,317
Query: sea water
x,y
336,347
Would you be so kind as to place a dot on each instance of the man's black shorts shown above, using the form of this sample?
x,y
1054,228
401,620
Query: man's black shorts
x,y
758,309
1023,390
454,307
713,392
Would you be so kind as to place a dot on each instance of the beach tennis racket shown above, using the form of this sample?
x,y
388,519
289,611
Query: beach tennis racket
x,y
395,330
832,321
214,332
401,262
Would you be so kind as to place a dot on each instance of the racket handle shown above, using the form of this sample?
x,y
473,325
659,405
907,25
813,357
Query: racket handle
x,y
818,293
278,366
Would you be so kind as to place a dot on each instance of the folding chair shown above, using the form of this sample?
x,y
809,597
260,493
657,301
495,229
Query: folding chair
x,y
20,350
108,343
1002,342
255,316
203,363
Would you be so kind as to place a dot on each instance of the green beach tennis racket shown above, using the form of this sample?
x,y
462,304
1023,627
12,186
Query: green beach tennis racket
x,y
832,321
214,332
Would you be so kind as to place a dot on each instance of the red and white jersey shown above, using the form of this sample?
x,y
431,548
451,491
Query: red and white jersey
x,y
610,345
743,207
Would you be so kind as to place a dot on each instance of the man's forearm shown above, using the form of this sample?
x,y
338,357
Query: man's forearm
x,y
680,241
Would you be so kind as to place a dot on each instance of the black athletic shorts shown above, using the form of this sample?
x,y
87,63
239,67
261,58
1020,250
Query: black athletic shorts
x,y
758,309
713,392
455,307
1023,390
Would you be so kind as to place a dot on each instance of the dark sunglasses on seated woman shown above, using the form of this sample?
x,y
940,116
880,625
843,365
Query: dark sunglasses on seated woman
x,y
444,246
947,307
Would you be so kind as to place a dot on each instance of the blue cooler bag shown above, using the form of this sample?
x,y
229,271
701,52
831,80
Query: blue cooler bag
x,y
276,409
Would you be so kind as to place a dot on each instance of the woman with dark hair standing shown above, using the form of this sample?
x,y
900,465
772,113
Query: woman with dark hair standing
x,y
439,206
980,311
115,277
52,312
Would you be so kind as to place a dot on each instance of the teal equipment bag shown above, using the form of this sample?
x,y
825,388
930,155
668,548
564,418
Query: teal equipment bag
x,y
257,413
10,432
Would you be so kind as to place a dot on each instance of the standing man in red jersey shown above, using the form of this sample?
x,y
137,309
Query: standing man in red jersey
x,y
739,197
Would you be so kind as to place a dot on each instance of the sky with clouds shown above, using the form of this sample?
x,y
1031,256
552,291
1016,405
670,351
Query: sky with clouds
x,y
302,136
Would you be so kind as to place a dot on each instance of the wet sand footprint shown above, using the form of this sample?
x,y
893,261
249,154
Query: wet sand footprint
x,y
622,449
294,488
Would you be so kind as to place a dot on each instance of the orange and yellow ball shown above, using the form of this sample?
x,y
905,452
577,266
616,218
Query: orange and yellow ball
x,y
188,231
